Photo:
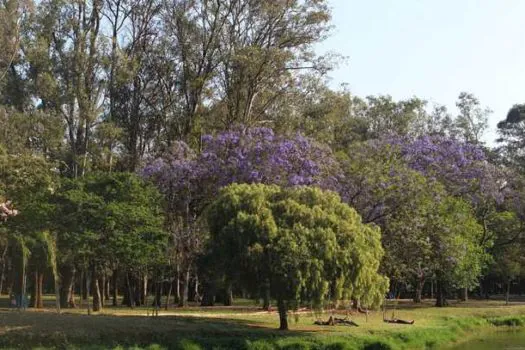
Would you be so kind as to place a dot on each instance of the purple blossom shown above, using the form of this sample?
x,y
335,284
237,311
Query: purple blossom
x,y
254,155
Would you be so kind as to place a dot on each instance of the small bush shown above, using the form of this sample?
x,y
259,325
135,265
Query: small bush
x,y
509,321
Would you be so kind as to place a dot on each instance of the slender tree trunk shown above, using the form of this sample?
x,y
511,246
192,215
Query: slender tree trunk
x,y
68,276
24,282
88,286
185,289
81,288
431,289
103,289
115,287
178,284
97,298
57,292
228,295
72,301
40,292
196,296
266,296
108,284
507,294
283,315
144,289
34,291
441,299
130,293
4,263
85,288
208,294
168,296
419,289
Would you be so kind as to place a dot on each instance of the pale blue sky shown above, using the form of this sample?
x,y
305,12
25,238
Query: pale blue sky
x,y
432,49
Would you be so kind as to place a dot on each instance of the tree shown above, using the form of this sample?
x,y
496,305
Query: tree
x,y
27,181
472,119
113,219
254,155
507,265
512,137
65,58
457,256
303,241
385,191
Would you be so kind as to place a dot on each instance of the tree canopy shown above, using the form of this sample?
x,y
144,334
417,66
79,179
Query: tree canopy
x,y
303,242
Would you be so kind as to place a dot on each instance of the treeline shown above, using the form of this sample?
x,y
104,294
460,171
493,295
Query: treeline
x,y
121,122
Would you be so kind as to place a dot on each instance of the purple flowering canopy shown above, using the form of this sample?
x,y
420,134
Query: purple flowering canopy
x,y
462,167
253,155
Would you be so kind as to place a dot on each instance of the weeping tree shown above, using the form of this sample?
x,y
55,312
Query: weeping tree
x,y
303,242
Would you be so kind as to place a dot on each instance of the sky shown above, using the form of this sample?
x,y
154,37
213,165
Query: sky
x,y
432,49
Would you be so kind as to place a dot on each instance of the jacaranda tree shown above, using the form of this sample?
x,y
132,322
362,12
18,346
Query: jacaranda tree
x,y
191,181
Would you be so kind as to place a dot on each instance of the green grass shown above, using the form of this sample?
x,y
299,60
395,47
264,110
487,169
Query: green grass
x,y
246,327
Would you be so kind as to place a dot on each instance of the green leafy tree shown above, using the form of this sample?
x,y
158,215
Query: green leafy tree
x,y
303,242
113,219
457,256
472,120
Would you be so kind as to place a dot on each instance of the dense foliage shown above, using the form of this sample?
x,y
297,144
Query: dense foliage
x,y
302,244
122,123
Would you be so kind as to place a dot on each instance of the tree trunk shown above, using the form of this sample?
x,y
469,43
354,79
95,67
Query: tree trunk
x,y
68,276
185,289
88,286
283,315
441,299
108,284
4,263
97,298
34,291
507,294
168,297
102,282
129,302
464,295
57,292
228,295
72,302
144,289
208,294
40,292
178,285
114,279
419,290
196,297
266,296
84,287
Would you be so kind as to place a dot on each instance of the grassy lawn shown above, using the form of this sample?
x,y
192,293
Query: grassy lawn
x,y
247,327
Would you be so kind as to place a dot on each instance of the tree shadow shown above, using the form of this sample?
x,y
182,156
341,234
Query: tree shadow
x,y
29,329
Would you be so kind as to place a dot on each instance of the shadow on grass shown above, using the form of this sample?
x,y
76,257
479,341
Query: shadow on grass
x,y
33,329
